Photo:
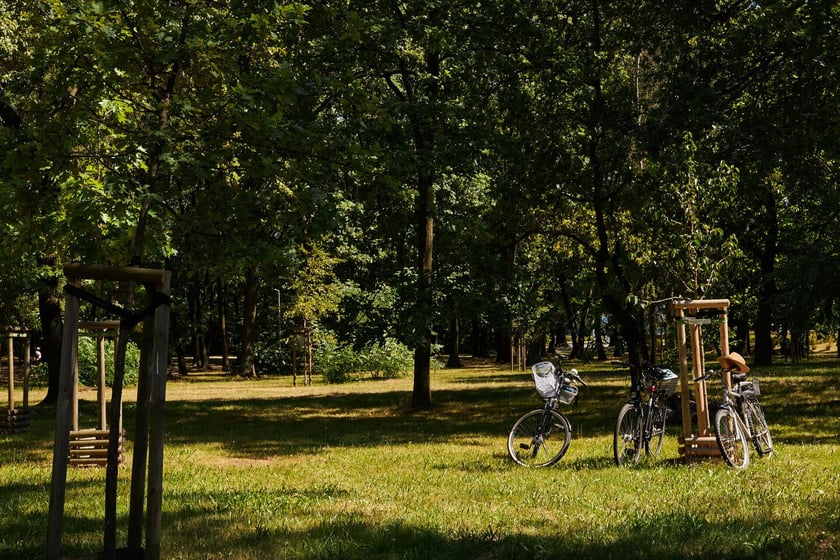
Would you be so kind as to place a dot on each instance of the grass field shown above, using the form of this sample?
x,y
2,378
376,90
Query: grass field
x,y
260,469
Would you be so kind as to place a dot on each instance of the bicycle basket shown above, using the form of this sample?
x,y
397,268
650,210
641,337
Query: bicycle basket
x,y
668,381
567,394
749,388
545,380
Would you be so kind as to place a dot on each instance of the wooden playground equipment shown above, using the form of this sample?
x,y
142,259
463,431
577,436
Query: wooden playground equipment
x,y
302,354
89,446
694,314
147,460
16,420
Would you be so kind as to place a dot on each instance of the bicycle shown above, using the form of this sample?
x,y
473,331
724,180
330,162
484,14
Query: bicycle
x,y
641,421
541,437
740,416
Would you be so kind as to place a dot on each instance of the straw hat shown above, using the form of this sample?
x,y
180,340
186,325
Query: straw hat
x,y
735,361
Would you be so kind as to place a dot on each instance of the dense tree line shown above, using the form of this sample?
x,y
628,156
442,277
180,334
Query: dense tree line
x,y
432,172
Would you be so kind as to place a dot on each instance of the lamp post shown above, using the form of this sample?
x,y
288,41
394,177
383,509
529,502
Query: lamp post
x,y
279,316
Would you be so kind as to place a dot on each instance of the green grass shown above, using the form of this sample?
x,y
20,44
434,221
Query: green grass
x,y
260,469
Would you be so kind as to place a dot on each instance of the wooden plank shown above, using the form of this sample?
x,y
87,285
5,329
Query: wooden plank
x,y
117,273
700,304
97,433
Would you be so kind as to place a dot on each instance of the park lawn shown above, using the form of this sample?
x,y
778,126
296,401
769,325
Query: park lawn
x,y
260,469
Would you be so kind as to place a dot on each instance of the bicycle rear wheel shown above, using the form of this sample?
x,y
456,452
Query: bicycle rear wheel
x,y
759,432
540,438
627,441
731,439
653,444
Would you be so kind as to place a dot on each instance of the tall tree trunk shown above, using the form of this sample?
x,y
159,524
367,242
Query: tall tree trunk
x,y
609,273
52,329
422,393
767,290
249,322
423,129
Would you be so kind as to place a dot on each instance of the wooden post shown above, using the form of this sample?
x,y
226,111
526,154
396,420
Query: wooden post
x,y
62,426
10,347
27,370
156,427
684,387
100,386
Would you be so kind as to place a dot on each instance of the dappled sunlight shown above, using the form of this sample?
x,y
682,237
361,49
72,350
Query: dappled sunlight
x,y
261,469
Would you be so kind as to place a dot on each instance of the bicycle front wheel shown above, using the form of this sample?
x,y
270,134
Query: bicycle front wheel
x,y
656,434
540,438
731,439
759,432
627,441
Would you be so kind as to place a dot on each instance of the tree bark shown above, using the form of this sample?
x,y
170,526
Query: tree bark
x,y
249,322
423,136
454,360
422,393
52,329
768,289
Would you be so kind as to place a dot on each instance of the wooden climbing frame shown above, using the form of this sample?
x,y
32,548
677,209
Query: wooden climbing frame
x,y
89,446
147,461
14,419
700,443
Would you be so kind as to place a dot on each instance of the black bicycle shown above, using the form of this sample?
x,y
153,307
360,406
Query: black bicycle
x,y
541,437
641,422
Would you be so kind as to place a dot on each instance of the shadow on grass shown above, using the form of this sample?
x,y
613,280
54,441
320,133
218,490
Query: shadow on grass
x,y
259,427
637,536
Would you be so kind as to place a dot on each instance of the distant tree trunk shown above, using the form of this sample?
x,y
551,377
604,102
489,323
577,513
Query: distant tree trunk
x,y
52,329
220,303
249,322
767,290
501,342
454,360
599,340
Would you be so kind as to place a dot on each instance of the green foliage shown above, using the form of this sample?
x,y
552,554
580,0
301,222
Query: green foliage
x,y
89,368
341,363
272,357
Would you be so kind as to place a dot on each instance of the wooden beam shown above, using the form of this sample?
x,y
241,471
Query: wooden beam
x,y
117,273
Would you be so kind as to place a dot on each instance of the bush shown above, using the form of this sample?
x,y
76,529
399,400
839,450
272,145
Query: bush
x,y
336,363
89,370
339,364
386,361
272,357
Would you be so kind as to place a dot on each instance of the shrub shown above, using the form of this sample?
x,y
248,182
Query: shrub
x,y
340,363
386,361
89,370
273,357
336,363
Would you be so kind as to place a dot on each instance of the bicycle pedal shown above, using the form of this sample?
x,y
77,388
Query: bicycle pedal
x,y
524,446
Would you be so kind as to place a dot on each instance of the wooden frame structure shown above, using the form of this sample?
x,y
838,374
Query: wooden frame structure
x,y
89,446
302,341
700,443
151,394
16,420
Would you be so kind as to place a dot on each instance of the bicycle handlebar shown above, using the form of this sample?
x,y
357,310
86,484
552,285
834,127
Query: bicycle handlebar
x,y
710,372
573,374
